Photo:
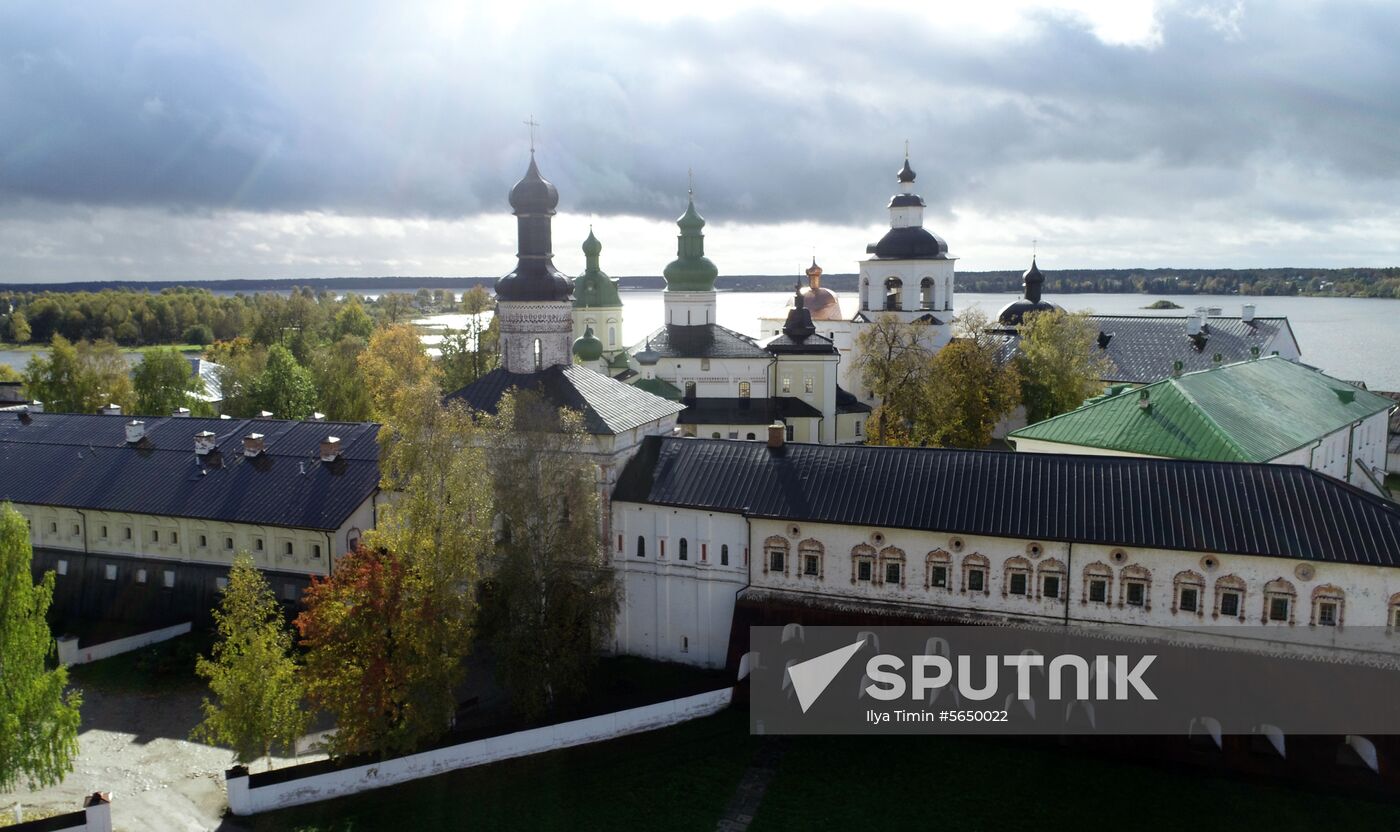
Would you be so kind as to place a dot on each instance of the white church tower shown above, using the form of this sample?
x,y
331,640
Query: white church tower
x,y
535,302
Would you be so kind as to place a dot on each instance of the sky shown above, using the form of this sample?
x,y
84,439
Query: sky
x,y
186,141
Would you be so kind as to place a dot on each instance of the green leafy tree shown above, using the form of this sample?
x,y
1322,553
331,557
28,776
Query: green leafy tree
x,y
79,378
891,361
339,389
19,328
285,387
469,353
201,334
8,373
352,319
555,592
38,720
255,680
1060,363
164,382
395,362
968,388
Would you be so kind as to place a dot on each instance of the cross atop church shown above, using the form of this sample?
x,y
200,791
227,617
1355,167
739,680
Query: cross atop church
x,y
690,174
906,150
532,124
1033,244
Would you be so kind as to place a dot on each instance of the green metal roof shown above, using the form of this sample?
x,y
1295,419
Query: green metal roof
x,y
594,288
659,387
1253,411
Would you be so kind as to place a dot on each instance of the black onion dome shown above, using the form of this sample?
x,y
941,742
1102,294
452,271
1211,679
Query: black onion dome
x,y
909,243
906,173
534,194
1015,312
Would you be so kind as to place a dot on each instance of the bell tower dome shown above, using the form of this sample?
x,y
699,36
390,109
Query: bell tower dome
x,y
534,302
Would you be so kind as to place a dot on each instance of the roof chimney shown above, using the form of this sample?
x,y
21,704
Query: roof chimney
x,y
777,436
110,410
135,431
330,449
36,407
204,442
1247,313
264,414
181,413
318,416
1193,324
253,444
1104,338
1145,399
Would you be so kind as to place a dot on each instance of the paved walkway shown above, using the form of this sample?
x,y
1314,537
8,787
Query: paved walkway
x,y
752,786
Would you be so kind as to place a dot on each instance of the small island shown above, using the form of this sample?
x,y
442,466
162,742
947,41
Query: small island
x,y
1163,304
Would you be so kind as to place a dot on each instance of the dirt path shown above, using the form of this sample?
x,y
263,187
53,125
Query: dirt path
x,y
134,745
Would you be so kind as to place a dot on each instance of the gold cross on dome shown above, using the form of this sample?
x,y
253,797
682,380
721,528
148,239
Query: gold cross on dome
x,y
532,124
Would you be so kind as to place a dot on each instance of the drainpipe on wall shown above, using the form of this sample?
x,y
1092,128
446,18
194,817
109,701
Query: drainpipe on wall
x,y
1069,576
85,534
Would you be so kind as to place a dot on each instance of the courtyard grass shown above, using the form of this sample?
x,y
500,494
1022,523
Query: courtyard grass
x,y
159,668
681,778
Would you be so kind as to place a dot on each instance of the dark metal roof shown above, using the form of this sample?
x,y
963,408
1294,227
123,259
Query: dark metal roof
x,y
84,462
911,242
736,411
1143,348
846,402
1228,508
609,407
700,341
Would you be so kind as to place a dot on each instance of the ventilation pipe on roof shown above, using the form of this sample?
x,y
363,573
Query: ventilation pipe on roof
x,y
1217,359
1193,325
253,445
1247,313
1145,399
264,414
204,442
135,431
181,413
777,435
36,407
1177,367
330,449
110,410
317,417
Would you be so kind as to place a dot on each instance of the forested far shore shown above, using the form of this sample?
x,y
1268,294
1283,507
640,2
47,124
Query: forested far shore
x,y
1345,282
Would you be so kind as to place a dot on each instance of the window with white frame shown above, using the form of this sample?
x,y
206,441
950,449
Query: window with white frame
x,y
110,571
938,565
140,576
787,385
169,578
975,574
1098,578
684,551
1328,602
724,555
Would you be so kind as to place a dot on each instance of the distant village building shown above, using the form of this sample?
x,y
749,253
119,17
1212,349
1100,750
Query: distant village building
x,y
1270,410
140,518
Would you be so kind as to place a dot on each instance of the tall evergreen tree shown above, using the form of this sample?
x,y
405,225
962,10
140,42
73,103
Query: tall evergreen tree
x,y
251,672
38,720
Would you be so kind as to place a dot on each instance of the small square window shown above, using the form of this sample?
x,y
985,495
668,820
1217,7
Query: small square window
x,y
893,571
63,567
807,384
734,434
1018,583
203,541
1050,586
128,532
1229,603
1278,609
810,565
315,550
140,576
775,561
1098,590
289,592
110,571
1327,614
1190,599
864,570
787,385
977,580
221,583
938,576
169,579
1137,593
104,532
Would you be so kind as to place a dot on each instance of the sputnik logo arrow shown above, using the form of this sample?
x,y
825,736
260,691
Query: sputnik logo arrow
x,y
811,677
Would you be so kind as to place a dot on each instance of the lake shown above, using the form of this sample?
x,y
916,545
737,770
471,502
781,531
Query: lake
x,y
1350,338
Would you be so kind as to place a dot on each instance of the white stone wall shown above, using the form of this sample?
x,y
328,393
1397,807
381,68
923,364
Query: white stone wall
x,y
911,273
716,378
674,609
607,326
689,308
524,324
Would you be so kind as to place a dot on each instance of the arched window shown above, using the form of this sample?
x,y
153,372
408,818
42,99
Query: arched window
x,y
811,555
690,389
1098,583
287,548
775,556
1280,598
1135,587
744,389
1188,592
539,355
1050,579
892,566
863,564
1016,577
641,546
750,436
352,541
1392,614
976,574
612,336
1229,597
894,293
1328,604
715,435
937,566
926,293
684,553
724,555
864,294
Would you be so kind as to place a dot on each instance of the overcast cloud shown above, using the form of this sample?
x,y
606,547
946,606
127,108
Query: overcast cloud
x,y
154,140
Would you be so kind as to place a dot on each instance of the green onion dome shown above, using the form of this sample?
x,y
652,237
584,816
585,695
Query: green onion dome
x,y
588,347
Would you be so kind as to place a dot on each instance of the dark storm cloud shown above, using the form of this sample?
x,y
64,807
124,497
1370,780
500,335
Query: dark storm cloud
x,y
336,108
